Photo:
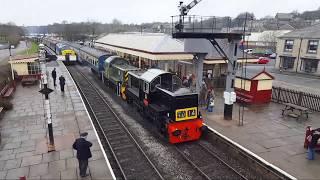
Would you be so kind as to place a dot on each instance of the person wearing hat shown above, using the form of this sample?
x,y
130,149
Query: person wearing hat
x,y
83,152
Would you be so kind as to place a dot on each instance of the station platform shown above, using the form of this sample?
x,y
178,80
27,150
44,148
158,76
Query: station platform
x,y
278,140
24,134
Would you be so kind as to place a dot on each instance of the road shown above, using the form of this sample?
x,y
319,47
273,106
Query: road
x,y
4,53
292,81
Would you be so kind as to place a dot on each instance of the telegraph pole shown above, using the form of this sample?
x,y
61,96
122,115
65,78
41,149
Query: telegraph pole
x,y
46,91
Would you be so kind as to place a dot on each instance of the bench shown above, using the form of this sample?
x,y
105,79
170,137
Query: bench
x,y
242,97
292,107
29,80
7,91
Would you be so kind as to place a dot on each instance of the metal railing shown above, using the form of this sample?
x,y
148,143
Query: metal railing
x,y
308,100
210,24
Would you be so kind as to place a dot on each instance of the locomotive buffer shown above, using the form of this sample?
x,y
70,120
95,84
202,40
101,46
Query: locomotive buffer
x,y
196,36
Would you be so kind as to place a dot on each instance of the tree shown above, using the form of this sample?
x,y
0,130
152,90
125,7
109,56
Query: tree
x,y
240,20
116,22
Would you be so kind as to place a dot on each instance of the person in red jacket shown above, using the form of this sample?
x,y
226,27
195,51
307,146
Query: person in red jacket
x,y
83,152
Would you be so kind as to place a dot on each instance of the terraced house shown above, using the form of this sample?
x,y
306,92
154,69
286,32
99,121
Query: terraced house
x,y
298,51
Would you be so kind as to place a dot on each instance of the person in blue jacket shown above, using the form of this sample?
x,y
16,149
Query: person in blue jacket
x,y
83,153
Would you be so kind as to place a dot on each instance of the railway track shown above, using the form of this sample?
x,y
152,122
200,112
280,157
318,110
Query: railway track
x,y
206,162
131,160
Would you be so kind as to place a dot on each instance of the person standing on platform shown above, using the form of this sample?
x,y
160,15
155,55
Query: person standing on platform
x,y
83,152
313,140
62,82
54,76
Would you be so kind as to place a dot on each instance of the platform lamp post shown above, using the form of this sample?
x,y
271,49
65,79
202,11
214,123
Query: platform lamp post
x,y
10,58
46,91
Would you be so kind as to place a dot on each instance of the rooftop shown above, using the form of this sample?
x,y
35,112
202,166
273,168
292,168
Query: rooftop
x,y
284,16
308,32
147,42
24,57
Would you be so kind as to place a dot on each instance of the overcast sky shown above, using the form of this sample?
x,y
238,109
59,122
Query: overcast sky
x,y
43,12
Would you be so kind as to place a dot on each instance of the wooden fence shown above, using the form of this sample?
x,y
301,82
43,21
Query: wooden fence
x,y
308,100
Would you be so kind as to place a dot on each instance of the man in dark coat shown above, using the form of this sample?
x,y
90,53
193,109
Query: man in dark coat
x,y
54,76
83,152
62,82
313,141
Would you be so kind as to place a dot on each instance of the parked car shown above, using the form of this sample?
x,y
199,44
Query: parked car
x,y
263,60
248,51
273,56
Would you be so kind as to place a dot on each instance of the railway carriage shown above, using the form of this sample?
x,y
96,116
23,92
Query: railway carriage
x,y
116,74
63,51
161,98
95,59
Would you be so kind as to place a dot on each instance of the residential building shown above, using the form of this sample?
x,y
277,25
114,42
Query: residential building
x,y
284,18
265,39
298,51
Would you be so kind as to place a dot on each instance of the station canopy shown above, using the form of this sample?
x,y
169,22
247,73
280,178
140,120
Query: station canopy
x,y
159,46
153,46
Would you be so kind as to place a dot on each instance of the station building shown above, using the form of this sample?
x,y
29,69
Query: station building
x,y
145,50
298,51
26,66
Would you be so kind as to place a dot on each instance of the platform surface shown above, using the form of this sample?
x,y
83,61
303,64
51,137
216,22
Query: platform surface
x,y
23,148
277,139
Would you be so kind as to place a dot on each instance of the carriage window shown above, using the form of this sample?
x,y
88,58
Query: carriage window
x,y
154,84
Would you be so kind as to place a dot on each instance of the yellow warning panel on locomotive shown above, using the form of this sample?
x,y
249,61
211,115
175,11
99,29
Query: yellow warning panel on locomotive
x,y
186,114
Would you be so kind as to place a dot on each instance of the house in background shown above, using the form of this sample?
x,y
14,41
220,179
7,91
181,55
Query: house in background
x,y
298,51
284,18
263,40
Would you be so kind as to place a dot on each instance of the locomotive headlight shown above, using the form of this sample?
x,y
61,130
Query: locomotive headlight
x,y
176,132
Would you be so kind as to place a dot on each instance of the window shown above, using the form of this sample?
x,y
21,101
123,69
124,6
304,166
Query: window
x,y
312,46
146,87
287,62
155,83
33,68
310,65
288,46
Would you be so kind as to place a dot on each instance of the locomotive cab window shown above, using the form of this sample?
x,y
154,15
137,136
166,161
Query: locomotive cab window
x,y
155,83
176,83
145,87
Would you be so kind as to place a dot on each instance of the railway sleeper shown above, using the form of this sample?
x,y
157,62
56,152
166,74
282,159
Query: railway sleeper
x,y
103,117
117,138
108,119
120,142
114,129
111,127
147,174
128,146
114,133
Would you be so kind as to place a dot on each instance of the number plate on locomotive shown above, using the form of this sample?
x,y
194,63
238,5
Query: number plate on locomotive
x,y
186,114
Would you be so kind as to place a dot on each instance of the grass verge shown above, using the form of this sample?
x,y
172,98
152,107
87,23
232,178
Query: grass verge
x,y
32,50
